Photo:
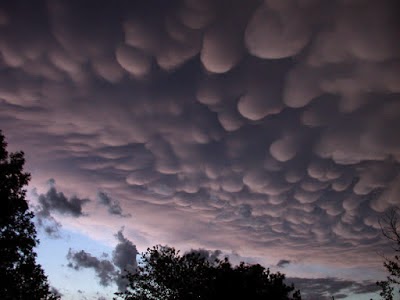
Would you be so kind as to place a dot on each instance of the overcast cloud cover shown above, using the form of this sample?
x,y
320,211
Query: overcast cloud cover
x,y
268,128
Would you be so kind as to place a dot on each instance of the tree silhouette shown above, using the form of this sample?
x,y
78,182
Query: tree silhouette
x,y
391,230
165,274
20,276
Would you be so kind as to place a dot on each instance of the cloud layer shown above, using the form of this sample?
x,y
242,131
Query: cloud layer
x,y
258,126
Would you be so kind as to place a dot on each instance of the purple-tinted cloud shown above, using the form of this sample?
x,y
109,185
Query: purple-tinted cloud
x,y
261,126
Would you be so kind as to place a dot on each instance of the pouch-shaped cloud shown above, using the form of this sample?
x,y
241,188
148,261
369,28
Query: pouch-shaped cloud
x,y
197,14
367,34
301,86
305,196
323,170
177,53
276,32
108,69
141,35
221,49
231,121
133,60
285,148
260,100
388,198
374,176
361,137
210,91
142,176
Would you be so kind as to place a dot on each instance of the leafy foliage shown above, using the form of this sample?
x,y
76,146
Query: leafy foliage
x,y
20,276
165,274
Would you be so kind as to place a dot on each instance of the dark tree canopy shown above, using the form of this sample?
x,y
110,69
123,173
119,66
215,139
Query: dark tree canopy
x,y
20,276
165,274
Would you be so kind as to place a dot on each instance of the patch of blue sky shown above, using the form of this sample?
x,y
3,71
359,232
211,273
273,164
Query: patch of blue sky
x,y
52,256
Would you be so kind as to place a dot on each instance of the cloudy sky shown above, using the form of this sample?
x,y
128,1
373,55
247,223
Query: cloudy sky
x,y
266,130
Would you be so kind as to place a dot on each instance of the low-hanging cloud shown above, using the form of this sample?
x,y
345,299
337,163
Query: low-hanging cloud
x,y
104,269
108,270
124,258
208,255
54,201
113,206
283,263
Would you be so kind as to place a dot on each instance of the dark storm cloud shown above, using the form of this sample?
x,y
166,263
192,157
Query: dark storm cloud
x,y
104,269
108,270
124,258
325,288
283,263
208,255
235,124
113,206
54,201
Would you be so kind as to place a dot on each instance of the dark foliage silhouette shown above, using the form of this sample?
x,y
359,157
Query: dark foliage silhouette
x,y
165,274
391,230
20,276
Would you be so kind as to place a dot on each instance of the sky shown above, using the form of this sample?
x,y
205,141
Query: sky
x,y
263,130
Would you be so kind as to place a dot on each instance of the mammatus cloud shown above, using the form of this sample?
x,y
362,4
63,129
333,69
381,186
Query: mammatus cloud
x,y
108,270
259,126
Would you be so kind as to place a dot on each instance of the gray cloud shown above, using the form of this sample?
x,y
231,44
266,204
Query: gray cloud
x,y
104,269
124,258
108,270
208,255
54,201
265,126
113,206
283,263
